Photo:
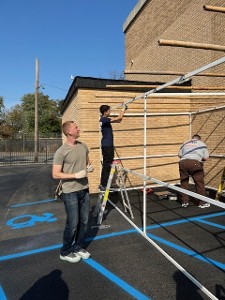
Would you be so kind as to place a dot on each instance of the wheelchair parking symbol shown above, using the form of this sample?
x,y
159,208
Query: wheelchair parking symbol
x,y
29,220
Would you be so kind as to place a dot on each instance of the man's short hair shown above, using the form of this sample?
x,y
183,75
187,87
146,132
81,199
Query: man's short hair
x,y
196,137
104,108
66,127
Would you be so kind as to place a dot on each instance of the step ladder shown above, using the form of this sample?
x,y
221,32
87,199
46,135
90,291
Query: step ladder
x,y
104,195
221,186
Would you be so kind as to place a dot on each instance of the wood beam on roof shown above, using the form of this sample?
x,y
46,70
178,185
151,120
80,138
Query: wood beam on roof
x,y
142,72
175,43
214,8
141,86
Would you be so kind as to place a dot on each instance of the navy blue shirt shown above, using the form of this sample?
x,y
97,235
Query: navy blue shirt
x,y
107,132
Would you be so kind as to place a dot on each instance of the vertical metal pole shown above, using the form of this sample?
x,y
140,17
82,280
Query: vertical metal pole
x,y
36,142
46,152
190,125
145,164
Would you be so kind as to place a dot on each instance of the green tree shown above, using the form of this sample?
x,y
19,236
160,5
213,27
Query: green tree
x,y
14,117
6,130
49,121
2,107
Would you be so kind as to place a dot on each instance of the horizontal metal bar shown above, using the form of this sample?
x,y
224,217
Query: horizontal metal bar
x,y
162,155
178,189
179,80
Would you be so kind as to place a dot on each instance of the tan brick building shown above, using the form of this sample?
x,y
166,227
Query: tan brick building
x,y
171,118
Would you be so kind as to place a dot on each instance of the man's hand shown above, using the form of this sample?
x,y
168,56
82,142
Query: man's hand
x,y
90,168
81,174
124,107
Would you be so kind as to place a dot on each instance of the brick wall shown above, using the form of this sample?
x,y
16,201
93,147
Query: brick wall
x,y
174,20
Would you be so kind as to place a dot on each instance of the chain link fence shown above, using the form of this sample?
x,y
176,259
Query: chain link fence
x,y
16,151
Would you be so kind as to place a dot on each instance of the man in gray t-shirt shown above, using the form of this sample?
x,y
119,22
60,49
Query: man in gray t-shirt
x,y
192,154
70,166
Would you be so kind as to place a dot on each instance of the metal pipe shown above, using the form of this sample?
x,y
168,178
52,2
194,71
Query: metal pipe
x,y
178,80
153,114
162,155
208,109
166,255
147,156
145,163
178,189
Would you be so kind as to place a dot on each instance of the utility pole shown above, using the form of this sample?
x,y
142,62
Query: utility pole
x,y
36,139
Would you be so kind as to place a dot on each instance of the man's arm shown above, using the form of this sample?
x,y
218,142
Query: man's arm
x,y
58,174
206,155
180,153
120,116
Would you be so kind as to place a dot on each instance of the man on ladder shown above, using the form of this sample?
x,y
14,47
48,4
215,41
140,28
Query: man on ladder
x,y
107,144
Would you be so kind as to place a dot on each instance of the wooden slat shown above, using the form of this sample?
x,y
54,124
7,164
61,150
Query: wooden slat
x,y
142,72
214,8
176,43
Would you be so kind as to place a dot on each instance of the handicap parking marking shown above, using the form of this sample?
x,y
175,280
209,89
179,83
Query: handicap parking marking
x,y
31,220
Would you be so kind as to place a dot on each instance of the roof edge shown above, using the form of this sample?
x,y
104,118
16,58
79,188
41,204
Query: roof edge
x,y
99,83
133,14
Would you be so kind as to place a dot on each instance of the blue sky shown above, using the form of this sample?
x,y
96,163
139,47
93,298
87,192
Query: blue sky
x,y
69,37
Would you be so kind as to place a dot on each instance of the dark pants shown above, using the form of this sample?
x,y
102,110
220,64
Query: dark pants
x,y
107,155
77,212
193,168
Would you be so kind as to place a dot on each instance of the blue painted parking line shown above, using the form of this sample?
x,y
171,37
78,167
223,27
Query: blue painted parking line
x,y
33,203
30,252
187,251
110,235
115,279
211,224
129,289
2,294
121,283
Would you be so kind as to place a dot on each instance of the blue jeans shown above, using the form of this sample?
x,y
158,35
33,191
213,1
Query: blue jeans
x,y
108,155
77,210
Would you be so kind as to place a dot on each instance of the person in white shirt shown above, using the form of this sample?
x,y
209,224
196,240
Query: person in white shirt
x,y
192,154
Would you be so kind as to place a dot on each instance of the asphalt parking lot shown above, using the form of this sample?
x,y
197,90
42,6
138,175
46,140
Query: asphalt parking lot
x,y
123,264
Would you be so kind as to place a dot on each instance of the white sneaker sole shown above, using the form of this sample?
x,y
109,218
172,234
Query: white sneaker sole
x,y
83,256
204,206
71,260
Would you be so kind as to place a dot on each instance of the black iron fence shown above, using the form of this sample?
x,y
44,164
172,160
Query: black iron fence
x,y
21,150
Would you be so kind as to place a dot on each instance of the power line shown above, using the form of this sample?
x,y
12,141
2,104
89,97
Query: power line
x,y
56,87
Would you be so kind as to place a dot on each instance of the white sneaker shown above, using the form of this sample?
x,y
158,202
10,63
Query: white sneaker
x,y
204,205
83,253
185,204
71,257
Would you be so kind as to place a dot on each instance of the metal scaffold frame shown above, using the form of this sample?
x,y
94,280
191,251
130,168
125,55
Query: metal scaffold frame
x,y
154,92
143,231
145,178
